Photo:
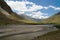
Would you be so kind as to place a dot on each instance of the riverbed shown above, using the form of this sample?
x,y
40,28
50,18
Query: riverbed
x,y
24,32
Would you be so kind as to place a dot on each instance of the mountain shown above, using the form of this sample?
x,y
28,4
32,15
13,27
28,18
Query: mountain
x,y
7,16
5,6
55,35
26,17
5,20
30,18
55,19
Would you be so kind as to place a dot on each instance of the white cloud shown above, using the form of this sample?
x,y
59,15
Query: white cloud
x,y
40,15
46,8
55,8
21,7
20,12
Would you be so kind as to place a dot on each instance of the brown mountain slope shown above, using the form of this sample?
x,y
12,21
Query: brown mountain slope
x,y
5,6
7,16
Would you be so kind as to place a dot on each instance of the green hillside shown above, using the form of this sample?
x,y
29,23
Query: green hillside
x,y
49,36
55,19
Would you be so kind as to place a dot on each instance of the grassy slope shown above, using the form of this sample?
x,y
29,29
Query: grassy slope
x,y
55,19
49,36
15,20
5,20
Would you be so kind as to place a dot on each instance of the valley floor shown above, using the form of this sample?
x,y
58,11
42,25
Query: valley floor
x,y
24,32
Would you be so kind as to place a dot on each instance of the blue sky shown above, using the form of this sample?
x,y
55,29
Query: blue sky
x,y
35,8
46,2
50,11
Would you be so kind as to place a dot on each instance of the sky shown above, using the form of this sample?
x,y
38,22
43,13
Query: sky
x,y
40,9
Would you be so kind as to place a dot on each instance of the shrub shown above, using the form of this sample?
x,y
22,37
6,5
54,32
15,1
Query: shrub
x,y
57,26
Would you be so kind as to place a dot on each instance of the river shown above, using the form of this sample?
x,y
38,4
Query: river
x,y
24,32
